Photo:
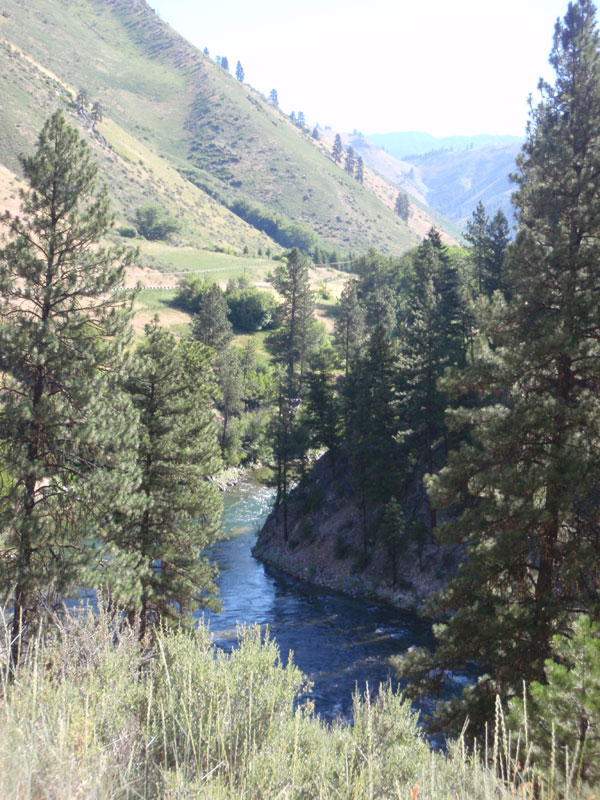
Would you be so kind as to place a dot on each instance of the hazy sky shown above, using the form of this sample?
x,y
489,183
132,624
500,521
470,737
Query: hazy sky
x,y
441,66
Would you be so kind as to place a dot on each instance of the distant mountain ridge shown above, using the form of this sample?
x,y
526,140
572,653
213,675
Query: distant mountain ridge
x,y
451,174
415,143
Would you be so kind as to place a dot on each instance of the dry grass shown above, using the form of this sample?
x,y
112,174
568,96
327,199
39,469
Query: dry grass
x,y
93,714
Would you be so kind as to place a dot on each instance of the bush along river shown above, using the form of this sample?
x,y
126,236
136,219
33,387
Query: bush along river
x,y
340,643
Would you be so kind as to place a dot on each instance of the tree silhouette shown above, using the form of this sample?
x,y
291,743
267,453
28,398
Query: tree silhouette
x,y
337,150
360,170
350,161
401,207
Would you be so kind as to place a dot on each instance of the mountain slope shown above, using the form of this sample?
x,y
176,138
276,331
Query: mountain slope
x,y
450,181
179,130
456,181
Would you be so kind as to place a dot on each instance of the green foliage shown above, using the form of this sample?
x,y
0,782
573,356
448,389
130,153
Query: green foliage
x,y
95,713
250,309
66,432
359,174
350,162
193,293
97,112
230,382
153,223
338,149
349,328
126,232
211,325
178,513
391,530
322,412
297,335
563,714
430,340
82,98
284,231
488,240
401,207
525,482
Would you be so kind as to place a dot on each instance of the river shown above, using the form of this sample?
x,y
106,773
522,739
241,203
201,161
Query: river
x,y
338,642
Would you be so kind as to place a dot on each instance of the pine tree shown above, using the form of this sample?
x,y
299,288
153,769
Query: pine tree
x,y
528,479
224,63
349,326
315,133
499,236
338,149
563,713
239,72
301,121
230,384
380,370
66,431
371,421
179,512
391,531
296,338
429,341
360,170
322,403
350,161
82,98
401,206
274,100
477,237
211,325
97,112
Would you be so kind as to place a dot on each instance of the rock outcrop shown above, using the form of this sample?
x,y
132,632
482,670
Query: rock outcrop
x,y
326,546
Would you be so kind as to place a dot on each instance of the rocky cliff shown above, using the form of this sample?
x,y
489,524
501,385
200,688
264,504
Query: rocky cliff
x,y
326,544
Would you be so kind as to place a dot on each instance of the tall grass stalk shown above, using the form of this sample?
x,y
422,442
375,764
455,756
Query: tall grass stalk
x,y
92,713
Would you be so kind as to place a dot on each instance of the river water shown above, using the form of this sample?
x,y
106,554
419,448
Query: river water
x,y
338,642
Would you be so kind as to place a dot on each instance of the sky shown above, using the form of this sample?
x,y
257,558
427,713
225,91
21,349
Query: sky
x,y
446,67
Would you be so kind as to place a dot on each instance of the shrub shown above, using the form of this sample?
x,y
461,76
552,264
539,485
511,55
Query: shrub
x,y
153,223
127,233
250,309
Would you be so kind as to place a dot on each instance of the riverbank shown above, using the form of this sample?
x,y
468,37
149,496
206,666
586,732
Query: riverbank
x,y
326,544
229,477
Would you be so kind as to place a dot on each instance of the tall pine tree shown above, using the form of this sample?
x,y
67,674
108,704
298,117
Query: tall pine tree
x,y
527,482
66,431
296,338
349,326
178,511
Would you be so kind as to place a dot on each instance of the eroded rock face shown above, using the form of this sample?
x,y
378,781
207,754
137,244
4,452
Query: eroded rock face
x,y
326,545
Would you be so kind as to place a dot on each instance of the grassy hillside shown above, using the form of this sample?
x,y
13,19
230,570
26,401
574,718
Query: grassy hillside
x,y
387,175
179,130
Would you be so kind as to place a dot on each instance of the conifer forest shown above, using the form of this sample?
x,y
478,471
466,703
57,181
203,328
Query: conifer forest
x,y
443,401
